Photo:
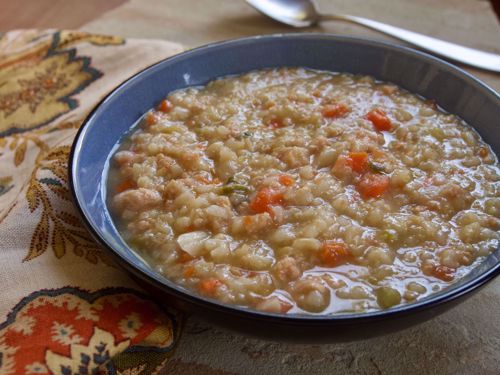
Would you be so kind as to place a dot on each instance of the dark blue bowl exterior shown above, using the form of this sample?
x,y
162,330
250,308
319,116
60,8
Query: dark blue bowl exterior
x,y
454,90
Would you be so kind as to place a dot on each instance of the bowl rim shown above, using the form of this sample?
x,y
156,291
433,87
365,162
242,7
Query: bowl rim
x,y
245,312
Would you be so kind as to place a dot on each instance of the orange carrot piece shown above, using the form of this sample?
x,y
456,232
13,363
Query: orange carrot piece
x,y
188,271
335,110
209,286
359,161
373,185
125,185
185,257
165,106
332,255
151,118
379,119
265,198
286,180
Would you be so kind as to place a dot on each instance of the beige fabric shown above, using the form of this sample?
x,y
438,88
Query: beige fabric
x,y
49,81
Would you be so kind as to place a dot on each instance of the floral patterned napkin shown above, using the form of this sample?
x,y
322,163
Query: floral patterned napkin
x,y
66,309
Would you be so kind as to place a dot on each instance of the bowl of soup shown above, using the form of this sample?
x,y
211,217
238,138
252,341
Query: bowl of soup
x,y
300,184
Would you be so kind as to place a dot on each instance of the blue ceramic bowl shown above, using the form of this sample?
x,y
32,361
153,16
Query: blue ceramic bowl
x,y
453,89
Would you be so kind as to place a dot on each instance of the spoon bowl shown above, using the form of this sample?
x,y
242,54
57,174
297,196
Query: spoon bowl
x,y
298,13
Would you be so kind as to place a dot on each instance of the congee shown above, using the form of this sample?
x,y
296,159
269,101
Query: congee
x,y
298,191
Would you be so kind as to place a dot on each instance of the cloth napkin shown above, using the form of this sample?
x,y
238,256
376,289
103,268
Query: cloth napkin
x,y
65,307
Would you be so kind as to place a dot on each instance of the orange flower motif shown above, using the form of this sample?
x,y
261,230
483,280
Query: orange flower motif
x,y
68,330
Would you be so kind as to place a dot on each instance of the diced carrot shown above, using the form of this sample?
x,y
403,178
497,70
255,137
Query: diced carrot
x,y
125,185
286,180
359,161
333,255
188,271
276,123
165,106
151,118
379,119
373,185
264,199
443,273
209,286
335,110
185,257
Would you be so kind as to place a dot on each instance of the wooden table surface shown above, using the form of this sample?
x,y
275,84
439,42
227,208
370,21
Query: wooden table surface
x,y
61,14
71,14
465,340
195,22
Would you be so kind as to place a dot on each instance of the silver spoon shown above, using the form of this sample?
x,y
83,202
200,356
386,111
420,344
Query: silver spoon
x,y
304,13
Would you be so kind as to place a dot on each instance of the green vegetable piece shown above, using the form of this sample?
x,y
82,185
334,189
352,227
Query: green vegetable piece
x,y
247,134
388,297
377,168
229,189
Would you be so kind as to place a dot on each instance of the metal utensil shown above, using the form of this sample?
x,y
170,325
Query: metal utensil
x,y
304,13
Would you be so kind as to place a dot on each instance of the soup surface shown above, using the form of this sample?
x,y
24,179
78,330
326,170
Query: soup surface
x,y
299,191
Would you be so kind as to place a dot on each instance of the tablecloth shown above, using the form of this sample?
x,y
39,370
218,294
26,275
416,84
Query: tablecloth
x,y
464,340
68,308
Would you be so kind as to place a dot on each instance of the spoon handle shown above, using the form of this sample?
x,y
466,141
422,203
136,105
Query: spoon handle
x,y
470,56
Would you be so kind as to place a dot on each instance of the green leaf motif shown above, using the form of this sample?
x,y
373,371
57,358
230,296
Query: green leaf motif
x,y
5,184
50,181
